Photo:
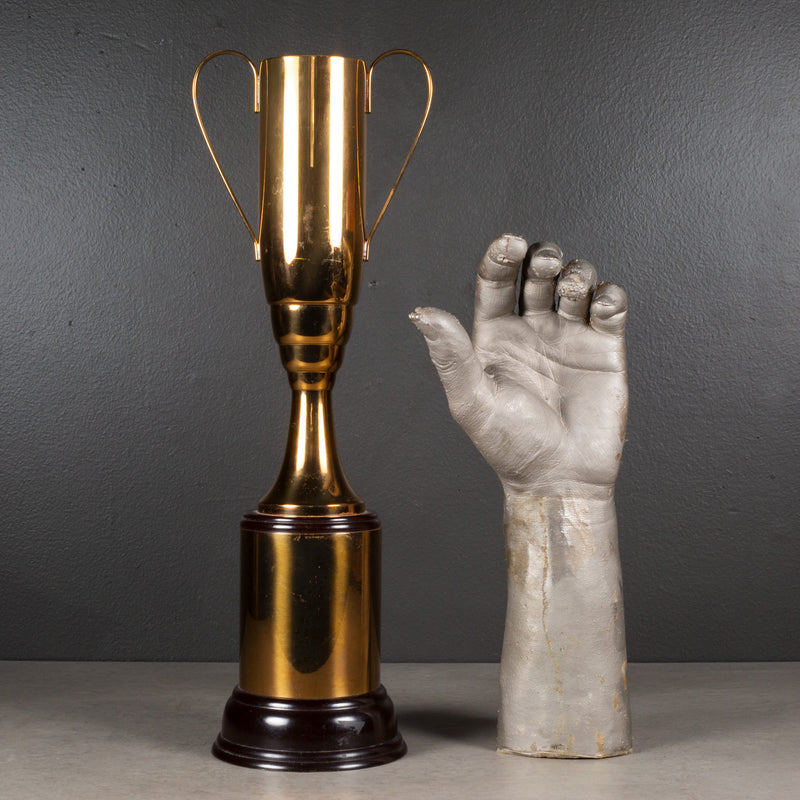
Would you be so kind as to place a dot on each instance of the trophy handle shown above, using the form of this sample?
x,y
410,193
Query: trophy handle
x,y
208,141
413,144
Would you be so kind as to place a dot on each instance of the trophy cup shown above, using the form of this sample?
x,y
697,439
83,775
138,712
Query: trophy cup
x,y
309,695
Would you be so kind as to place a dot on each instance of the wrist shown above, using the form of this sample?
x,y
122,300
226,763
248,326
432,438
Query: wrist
x,y
541,484
530,512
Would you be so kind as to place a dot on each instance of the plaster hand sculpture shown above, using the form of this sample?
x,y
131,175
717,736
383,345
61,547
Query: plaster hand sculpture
x,y
543,395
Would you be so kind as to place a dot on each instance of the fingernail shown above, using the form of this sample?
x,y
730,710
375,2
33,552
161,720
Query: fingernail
x,y
509,248
577,280
543,261
425,328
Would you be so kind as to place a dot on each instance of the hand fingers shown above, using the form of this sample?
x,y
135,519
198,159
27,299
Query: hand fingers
x,y
609,309
468,387
496,289
575,286
542,266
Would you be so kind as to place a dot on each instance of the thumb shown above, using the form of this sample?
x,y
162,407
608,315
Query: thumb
x,y
469,389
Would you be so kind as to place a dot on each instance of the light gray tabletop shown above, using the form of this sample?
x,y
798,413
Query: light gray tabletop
x,y
144,730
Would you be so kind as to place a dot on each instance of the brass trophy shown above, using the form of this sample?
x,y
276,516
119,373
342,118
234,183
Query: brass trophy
x,y
309,695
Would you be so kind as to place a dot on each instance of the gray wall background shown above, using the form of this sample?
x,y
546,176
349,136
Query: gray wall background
x,y
142,404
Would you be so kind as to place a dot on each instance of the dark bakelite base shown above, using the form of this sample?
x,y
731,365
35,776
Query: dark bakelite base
x,y
306,735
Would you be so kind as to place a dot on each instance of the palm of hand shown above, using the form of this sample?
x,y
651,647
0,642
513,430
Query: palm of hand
x,y
543,395
560,403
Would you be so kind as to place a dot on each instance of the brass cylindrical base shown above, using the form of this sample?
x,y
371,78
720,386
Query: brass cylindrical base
x,y
310,656
310,606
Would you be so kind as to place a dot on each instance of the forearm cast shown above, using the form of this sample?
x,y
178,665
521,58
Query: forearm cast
x,y
564,688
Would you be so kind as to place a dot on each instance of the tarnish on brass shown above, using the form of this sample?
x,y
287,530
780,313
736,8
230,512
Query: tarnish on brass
x,y
311,243
310,613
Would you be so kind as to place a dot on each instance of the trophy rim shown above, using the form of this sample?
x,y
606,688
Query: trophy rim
x,y
314,56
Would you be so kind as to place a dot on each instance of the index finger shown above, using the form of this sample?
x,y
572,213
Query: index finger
x,y
496,288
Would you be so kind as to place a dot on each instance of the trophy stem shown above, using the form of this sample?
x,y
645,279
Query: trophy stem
x,y
311,481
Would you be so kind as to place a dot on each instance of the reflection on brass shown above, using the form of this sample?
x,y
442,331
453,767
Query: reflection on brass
x,y
311,475
309,612
311,243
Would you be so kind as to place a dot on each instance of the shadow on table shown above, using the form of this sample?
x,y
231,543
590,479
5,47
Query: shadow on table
x,y
452,725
